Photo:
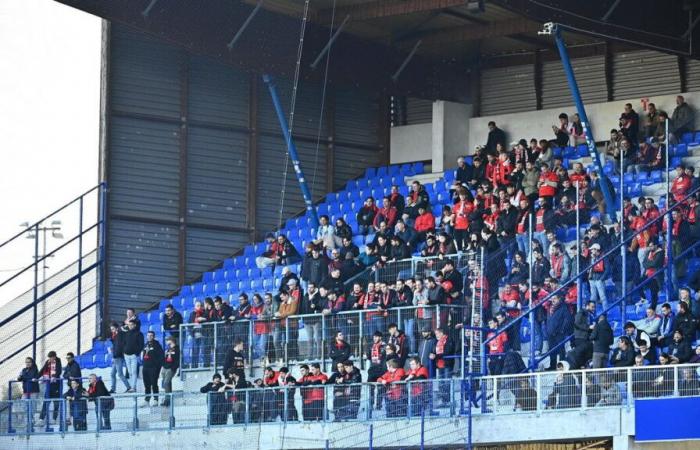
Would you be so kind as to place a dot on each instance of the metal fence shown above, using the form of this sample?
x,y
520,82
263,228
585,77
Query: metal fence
x,y
357,404
307,338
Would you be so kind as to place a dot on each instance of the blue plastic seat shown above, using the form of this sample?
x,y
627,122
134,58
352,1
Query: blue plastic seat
x,y
382,171
582,151
681,150
643,178
394,170
628,178
450,176
656,176
687,138
417,168
371,172
557,152
675,162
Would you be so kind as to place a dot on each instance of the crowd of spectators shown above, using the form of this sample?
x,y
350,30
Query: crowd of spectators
x,y
496,197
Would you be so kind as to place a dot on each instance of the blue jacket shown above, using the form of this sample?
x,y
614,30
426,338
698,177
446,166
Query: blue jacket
x,y
560,322
78,406
27,377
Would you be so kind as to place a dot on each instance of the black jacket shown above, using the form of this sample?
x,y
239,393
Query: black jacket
x,y
312,304
495,136
339,352
581,325
680,350
236,361
622,358
117,344
153,355
172,324
314,270
72,371
133,342
171,358
602,337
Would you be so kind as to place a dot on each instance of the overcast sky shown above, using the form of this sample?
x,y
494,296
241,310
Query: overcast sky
x,y
49,117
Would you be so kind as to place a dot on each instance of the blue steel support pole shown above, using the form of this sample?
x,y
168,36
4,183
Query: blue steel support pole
x,y
291,148
371,436
590,142
80,277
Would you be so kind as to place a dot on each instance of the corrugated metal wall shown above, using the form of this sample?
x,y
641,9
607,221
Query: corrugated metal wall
x,y
180,137
590,77
508,89
645,73
692,75
418,111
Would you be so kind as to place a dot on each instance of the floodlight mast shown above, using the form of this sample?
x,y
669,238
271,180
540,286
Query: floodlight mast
x,y
555,29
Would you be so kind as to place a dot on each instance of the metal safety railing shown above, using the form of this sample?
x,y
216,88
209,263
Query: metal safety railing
x,y
333,400
47,309
308,338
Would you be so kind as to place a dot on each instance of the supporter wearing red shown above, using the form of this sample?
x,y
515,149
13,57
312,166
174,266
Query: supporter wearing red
x,y
496,347
510,301
501,171
680,240
395,389
693,217
271,402
547,183
597,275
444,348
513,333
681,184
312,392
416,198
424,223
172,321
629,124
544,220
152,357
365,216
171,364
653,269
387,214
419,389
50,374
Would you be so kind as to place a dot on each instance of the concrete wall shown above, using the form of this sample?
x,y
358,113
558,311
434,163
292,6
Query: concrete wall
x,y
411,143
441,141
538,124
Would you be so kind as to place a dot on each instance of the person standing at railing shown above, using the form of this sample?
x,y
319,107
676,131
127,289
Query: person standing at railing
x,y
152,356
218,405
688,385
30,387
172,320
353,393
371,302
653,269
598,275
50,375
419,387
340,400
339,350
444,347
235,359
171,363
566,392
289,306
404,298
287,382
377,358
398,339
395,390
313,392
104,403
512,333
77,404
496,348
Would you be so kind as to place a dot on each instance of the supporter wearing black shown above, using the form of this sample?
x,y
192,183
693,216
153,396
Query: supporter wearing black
x,y
104,403
602,338
218,405
513,333
426,347
559,327
496,136
71,371
133,345
312,392
314,268
235,359
417,198
117,338
172,321
171,363
152,357
77,405
464,172
377,358
679,350
287,381
365,216
583,326
623,355
397,200
339,350
398,339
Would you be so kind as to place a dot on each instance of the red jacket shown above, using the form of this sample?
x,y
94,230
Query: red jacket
x,y
387,215
313,394
550,182
498,344
425,222
393,390
680,187
507,298
419,387
462,211
649,215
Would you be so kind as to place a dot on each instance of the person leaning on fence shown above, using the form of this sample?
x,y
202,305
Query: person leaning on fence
x,y
340,400
353,393
395,390
287,382
71,371
377,358
418,388
77,405
444,347
29,376
312,392
104,403
218,405
235,359
234,397
50,373
171,363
